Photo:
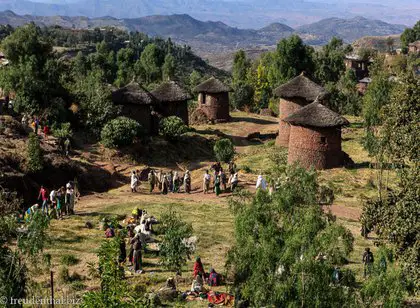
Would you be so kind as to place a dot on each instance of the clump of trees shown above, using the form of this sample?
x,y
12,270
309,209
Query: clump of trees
x,y
35,154
410,35
286,247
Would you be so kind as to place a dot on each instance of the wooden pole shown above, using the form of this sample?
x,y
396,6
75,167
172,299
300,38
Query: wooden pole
x,y
52,289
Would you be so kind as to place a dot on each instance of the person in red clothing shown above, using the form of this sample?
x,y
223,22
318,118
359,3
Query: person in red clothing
x,y
46,131
198,267
44,197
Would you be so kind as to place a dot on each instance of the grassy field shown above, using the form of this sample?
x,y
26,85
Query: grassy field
x,y
210,216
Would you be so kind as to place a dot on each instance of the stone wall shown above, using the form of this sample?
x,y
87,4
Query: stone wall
x,y
215,106
315,147
286,108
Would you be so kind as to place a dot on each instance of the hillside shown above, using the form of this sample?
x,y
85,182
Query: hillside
x,y
348,29
240,13
214,37
377,42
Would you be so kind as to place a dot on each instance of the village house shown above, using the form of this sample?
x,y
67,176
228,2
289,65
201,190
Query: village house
x,y
315,137
295,94
358,65
172,100
213,100
137,103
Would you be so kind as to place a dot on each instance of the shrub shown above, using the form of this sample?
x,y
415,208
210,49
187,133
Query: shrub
x,y
63,132
35,154
69,260
173,251
120,132
171,128
224,150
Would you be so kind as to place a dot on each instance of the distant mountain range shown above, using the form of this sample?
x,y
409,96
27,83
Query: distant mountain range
x,y
240,13
212,36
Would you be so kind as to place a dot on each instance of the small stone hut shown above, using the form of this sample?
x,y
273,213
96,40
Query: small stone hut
x,y
172,100
295,94
137,103
315,137
213,99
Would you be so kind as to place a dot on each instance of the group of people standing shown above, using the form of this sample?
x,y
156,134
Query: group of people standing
x,y
57,203
164,182
220,180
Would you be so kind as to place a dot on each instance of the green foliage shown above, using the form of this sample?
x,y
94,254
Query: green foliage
x,y
279,241
329,61
243,95
171,128
168,68
290,59
344,97
120,132
96,107
33,73
410,35
125,73
386,285
19,247
241,66
173,251
224,150
35,155
114,288
69,260
63,132
151,61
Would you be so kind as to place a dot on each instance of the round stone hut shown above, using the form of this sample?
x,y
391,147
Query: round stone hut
x,y
295,94
213,99
315,137
172,100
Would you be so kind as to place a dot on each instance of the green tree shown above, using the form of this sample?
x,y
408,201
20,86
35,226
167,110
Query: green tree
x,y
35,154
286,247
169,67
150,62
241,65
21,248
410,35
290,59
262,88
243,95
224,150
96,107
329,61
394,215
125,63
194,79
33,73
174,252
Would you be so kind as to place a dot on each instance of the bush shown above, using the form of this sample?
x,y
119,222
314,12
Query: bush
x,y
63,132
69,260
224,150
120,132
173,251
35,154
171,128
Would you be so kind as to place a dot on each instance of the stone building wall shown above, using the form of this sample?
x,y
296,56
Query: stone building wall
x,y
286,108
315,147
215,106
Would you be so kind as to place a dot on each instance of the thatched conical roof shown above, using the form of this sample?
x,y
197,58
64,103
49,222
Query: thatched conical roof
x,y
316,115
134,94
212,85
171,91
301,86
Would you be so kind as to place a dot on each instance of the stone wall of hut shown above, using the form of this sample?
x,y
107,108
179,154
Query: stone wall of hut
x,y
179,109
140,113
315,147
286,108
215,106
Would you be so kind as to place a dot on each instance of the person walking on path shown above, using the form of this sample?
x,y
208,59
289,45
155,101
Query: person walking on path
x,y
44,198
134,181
234,182
175,186
261,183
206,182
67,146
187,182
368,262
151,178
36,125
46,131
137,246
217,185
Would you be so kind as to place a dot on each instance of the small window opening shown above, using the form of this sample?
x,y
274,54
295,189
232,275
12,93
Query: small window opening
x,y
323,140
